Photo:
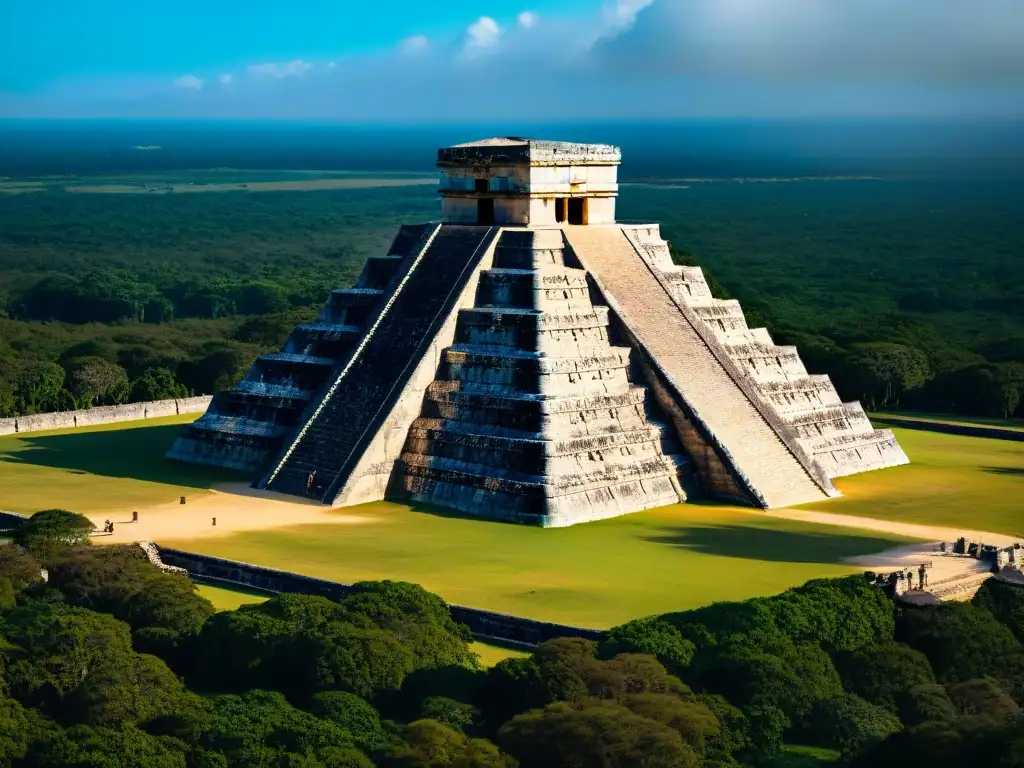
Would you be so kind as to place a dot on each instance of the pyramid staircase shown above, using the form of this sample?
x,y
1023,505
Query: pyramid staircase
x,y
838,435
247,425
535,416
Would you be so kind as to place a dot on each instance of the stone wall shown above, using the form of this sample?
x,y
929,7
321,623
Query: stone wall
x,y
966,430
485,625
111,414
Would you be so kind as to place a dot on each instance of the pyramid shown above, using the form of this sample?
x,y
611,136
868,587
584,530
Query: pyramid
x,y
529,359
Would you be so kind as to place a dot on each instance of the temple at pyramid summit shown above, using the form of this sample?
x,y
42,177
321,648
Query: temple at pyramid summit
x,y
527,358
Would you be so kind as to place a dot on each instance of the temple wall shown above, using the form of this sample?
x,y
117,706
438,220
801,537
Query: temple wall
x,y
110,414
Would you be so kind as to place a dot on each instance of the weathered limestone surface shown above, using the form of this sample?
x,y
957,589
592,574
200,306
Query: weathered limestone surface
x,y
773,469
349,416
534,416
838,435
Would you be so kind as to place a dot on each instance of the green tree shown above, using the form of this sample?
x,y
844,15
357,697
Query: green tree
x,y
157,384
260,728
158,310
924,703
694,722
39,385
882,372
60,655
302,644
81,746
429,744
8,400
19,567
121,581
787,677
14,731
654,636
964,642
851,724
1005,602
454,714
94,381
881,673
50,530
353,715
982,698
598,735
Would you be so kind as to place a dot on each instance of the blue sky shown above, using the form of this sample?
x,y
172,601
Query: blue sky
x,y
405,60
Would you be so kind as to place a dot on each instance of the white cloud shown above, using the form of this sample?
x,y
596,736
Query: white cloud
x,y
620,14
414,44
226,79
280,70
332,64
811,40
527,19
482,34
188,83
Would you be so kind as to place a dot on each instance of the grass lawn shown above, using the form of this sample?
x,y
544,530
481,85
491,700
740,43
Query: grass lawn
x,y
1017,425
954,481
492,654
225,599
99,468
598,575
794,756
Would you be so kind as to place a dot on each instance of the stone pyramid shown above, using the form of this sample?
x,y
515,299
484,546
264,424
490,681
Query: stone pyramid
x,y
530,359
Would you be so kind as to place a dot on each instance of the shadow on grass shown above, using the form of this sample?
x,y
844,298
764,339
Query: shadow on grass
x,y
435,510
1013,471
770,545
126,453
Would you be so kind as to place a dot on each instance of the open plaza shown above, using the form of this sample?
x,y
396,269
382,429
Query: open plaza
x,y
598,574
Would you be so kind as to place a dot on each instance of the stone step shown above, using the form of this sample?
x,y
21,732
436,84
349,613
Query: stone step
x,y
762,455
533,413
293,358
357,404
546,288
483,475
380,271
237,425
465,433
842,455
531,329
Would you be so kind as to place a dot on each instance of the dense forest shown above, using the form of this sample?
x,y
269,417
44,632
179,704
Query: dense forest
x,y
909,294
111,662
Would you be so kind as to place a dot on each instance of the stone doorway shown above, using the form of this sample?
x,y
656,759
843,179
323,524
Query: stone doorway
x,y
577,210
485,211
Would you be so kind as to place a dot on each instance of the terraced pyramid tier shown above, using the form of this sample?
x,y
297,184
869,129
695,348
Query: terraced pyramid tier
x,y
248,424
838,435
534,415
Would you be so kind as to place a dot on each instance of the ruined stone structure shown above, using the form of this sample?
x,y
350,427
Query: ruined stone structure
x,y
529,359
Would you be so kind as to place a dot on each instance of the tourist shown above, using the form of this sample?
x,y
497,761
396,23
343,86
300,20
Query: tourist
x,y
135,517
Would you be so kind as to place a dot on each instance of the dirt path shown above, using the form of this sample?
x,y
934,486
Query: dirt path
x,y
931,533
906,555
236,507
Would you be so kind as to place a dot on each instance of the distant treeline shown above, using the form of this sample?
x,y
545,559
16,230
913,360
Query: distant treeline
x,y
107,299
902,369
